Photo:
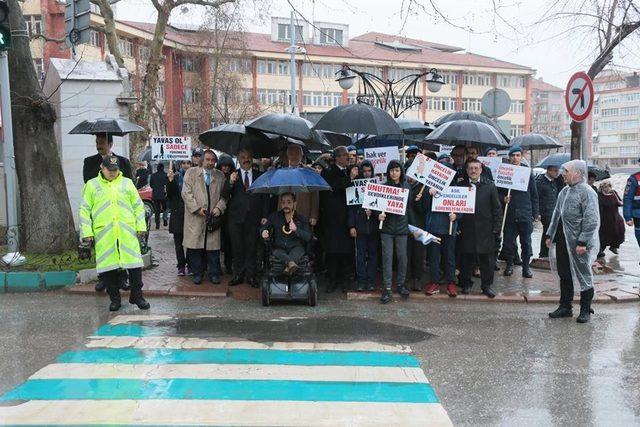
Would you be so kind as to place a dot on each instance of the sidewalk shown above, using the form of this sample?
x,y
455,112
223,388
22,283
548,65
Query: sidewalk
x,y
623,285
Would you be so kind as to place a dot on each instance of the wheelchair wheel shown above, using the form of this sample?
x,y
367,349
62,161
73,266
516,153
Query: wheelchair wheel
x,y
266,297
313,292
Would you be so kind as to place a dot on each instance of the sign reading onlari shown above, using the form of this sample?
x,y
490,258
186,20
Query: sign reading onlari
x,y
512,177
355,194
456,200
171,148
385,198
430,173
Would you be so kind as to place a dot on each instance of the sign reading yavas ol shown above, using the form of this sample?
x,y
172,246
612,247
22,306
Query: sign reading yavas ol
x,y
171,147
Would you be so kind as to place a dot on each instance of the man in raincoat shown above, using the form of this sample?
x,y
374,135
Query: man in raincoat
x,y
112,219
574,231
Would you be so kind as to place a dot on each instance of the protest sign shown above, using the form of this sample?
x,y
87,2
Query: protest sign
x,y
456,200
430,173
446,149
422,236
380,157
171,148
355,194
492,163
512,177
385,198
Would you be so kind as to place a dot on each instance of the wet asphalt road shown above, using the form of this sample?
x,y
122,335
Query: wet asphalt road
x,y
490,364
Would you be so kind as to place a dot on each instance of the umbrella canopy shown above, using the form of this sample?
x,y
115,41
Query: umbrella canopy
x,y
468,133
336,139
558,159
289,180
465,115
358,118
231,138
414,127
117,127
283,124
145,156
535,141
372,141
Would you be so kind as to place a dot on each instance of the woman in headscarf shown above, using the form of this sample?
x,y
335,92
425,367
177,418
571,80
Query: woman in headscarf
x,y
611,222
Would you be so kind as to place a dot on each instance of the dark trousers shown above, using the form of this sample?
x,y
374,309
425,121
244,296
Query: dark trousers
x,y
544,250
513,230
366,258
160,206
443,255
281,258
227,249
113,278
195,258
180,255
244,239
564,270
636,225
337,268
487,262
416,253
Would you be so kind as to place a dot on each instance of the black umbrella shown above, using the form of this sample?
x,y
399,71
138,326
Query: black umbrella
x,y
230,138
535,141
282,124
145,156
413,127
117,127
336,139
465,115
468,133
372,141
358,118
558,159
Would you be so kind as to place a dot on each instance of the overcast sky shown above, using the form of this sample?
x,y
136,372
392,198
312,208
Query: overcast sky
x,y
510,36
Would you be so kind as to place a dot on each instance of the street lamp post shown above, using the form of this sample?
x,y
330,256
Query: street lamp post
x,y
394,96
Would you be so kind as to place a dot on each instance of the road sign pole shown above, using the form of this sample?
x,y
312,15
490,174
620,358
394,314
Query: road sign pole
x,y
9,156
583,140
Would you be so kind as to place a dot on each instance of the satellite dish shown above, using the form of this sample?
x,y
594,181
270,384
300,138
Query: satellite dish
x,y
495,103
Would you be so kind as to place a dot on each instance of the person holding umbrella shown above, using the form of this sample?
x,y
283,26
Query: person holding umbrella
x,y
548,185
522,210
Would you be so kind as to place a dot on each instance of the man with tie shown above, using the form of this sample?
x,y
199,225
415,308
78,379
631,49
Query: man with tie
x,y
246,213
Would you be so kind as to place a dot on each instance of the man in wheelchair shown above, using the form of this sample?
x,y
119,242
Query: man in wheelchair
x,y
287,235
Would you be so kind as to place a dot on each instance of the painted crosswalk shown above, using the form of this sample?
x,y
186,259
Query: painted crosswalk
x,y
137,372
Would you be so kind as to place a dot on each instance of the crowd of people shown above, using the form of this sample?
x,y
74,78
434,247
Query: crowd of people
x,y
219,227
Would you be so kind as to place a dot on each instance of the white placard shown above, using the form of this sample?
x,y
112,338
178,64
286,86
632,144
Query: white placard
x,y
456,200
512,177
380,157
355,194
386,198
492,163
430,173
422,236
171,148
446,149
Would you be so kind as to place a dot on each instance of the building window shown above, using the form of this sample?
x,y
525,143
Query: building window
x,y
516,130
34,24
608,125
628,137
126,47
39,66
190,126
284,32
450,78
239,65
518,107
609,112
190,64
283,68
145,52
506,80
629,111
94,39
629,124
191,95
330,36
471,104
160,91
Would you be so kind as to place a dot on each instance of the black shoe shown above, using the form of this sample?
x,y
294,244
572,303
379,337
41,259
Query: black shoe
x,y
371,287
585,315
508,270
255,283
215,280
560,312
235,281
496,268
100,286
164,223
404,292
614,250
157,226
140,302
197,280
466,290
386,296
360,287
114,306
488,292
526,272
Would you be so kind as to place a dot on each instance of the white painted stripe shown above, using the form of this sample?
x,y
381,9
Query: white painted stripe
x,y
128,318
218,412
232,372
195,343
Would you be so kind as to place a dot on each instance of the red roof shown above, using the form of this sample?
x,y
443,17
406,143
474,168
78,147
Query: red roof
x,y
541,85
361,47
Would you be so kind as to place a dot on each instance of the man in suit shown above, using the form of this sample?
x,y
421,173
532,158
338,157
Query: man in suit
x,y
246,212
104,144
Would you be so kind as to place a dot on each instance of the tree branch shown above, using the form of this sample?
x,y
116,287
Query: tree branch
x,y
47,39
207,3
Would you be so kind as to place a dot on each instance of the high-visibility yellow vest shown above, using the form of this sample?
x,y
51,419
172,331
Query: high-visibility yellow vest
x,y
111,212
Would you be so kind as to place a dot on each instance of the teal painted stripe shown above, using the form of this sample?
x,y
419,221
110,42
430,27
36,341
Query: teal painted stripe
x,y
132,330
197,389
239,356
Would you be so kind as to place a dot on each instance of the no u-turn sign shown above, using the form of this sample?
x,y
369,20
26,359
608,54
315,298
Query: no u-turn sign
x,y
578,96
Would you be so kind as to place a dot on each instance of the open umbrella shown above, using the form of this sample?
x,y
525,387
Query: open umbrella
x,y
535,141
558,159
289,180
146,155
414,129
358,118
231,138
373,141
282,124
117,127
336,139
465,115
468,133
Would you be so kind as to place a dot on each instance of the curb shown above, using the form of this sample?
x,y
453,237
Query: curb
x,y
25,281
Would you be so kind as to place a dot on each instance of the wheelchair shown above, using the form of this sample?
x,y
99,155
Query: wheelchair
x,y
301,286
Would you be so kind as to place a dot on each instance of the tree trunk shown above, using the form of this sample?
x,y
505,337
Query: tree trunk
x,y
110,30
46,223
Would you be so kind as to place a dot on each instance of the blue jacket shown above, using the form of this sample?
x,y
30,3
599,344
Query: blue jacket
x,y
524,204
438,222
631,198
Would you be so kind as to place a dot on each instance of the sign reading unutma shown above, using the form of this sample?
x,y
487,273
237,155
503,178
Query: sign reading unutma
x,y
385,198
355,194
456,200
430,173
171,148
512,177
380,157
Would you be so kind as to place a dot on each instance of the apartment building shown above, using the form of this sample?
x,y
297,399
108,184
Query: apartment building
x,y
616,119
260,67
548,113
